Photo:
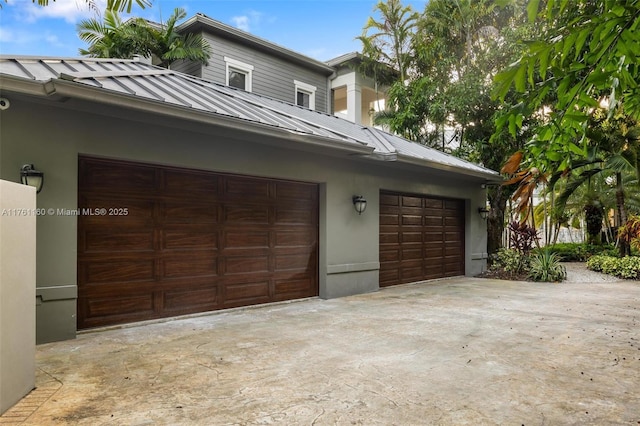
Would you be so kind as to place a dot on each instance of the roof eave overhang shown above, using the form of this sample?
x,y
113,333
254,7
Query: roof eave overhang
x,y
200,21
488,176
54,89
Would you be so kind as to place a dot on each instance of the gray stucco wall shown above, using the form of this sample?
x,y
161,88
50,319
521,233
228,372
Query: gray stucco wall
x,y
348,242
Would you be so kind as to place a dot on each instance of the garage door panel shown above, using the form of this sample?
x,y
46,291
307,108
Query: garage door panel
x,y
191,265
139,304
243,188
292,288
389,219
411,263
189,299
408,201
189,183
434,213
293,215
432,204
428,241
412,236
453,237
389,274
240,292
246,239
255,214
452,251
297,238
389,200
295,191
433,253
193,241
105,176
389,255
434,237
174,212
409,220
409,254
297,261
189,237
454,222
453,205
389,238
411,273
119,270
122,240
245,264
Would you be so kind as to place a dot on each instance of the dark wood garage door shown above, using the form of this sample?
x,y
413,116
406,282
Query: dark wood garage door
x,y
421,238
157,241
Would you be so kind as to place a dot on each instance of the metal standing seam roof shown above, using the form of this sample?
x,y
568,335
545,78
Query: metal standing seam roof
x,y
170,88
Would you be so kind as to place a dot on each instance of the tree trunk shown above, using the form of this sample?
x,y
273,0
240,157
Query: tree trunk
x,y
593,215
498,197
625,250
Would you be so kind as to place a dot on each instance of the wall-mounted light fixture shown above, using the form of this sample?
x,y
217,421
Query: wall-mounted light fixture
x,y
32,177
484,212
359,203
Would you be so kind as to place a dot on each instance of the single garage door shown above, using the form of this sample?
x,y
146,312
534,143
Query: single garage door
x,y
421,238
157,241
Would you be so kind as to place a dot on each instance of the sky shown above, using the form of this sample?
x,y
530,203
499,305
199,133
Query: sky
x,y
320,29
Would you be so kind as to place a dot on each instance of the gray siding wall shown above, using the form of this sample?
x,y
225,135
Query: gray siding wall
x,y
272,76
188,67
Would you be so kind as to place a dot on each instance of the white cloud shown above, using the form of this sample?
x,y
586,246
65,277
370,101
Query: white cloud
x,y
241,22
6,35
71,11
249,21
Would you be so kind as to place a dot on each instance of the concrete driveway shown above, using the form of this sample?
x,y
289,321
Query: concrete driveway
x,y
451,352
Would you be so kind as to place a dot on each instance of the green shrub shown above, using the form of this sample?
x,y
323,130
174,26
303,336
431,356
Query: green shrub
x,y
545,266
624,267
579,252
509,260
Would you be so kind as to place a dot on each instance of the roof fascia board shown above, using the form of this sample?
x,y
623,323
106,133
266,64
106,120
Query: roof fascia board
x,y
26,86
216,27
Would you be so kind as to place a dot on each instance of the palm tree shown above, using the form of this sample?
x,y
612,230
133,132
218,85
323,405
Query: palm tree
x,y
390,43
170,45
615,152
113,38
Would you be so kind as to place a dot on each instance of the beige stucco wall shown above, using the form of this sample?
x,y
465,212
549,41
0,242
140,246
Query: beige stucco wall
x,y
17,292
348,242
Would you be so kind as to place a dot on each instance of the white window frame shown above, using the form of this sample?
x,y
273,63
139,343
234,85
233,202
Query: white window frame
x,y
236,65
305,88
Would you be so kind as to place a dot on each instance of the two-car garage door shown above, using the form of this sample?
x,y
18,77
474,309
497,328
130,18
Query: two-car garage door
x,y
421,238
157,241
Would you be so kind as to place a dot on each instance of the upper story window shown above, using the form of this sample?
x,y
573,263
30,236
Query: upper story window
x,y
305,95
239,74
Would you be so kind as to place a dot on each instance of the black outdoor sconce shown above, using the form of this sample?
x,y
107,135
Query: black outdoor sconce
x,y
32,177
484,212
359,203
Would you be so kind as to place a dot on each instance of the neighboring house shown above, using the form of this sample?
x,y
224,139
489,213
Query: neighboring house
x,y
166,194
242,60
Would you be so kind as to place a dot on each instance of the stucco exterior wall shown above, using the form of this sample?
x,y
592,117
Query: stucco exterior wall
x,y
348,243
17,292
